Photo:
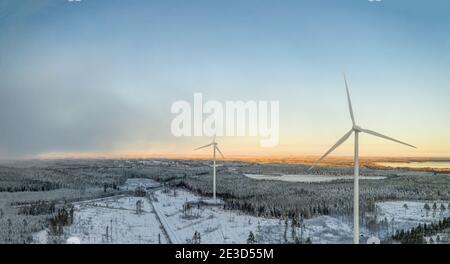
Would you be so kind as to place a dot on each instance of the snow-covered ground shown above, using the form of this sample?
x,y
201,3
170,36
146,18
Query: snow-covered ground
x,y
216,225
400,217
308,178
163,215
117,215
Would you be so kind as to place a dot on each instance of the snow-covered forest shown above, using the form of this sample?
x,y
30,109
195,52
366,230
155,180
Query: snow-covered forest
x,y
33,193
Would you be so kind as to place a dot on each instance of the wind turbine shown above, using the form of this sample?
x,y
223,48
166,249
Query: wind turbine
x,y
215,147
355,129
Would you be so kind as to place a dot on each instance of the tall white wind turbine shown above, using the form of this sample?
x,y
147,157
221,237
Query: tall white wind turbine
x,y
215,148
356,129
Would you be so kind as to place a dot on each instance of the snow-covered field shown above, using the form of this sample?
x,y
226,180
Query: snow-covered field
x,y
112,220
219,226
401,217
308,178
115,220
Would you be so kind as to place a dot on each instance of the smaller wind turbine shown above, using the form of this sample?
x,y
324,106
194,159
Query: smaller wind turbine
x,y
215,147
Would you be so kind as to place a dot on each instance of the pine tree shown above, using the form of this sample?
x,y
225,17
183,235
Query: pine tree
x,y
139,207
286,224
251,238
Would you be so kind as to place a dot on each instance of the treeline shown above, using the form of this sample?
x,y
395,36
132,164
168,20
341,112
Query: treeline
x,y
417,235
37,208
29,186
266,211
45,179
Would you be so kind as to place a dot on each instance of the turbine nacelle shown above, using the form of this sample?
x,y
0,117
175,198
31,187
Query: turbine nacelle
x,y
357,128
215,148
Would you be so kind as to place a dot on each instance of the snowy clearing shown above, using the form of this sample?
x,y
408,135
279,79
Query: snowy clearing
x,y
112,220
401,217
165,213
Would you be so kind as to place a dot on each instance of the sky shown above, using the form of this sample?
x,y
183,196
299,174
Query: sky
x,y
98,77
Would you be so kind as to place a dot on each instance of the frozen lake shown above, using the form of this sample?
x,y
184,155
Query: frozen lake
x,y
308,178
417,165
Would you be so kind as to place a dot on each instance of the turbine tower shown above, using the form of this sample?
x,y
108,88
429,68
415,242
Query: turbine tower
x,y
356,129
215,147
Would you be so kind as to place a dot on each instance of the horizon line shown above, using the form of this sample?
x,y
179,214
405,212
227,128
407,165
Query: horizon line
x,y
238,157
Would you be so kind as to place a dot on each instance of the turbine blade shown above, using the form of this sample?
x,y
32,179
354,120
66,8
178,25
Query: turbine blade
x,y
340,141
385,137
205,146
349,101
217,148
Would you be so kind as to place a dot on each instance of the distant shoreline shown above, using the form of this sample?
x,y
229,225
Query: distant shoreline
x,y
334,161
